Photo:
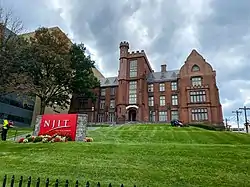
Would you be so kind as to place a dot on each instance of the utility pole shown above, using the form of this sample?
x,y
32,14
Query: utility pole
x,y
245,112
237,112
226,120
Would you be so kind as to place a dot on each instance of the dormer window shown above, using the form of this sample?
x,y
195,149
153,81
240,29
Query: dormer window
x,y
107,81
195,68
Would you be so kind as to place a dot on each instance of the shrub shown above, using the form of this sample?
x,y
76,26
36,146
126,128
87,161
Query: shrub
x,y
30,139
68,138
205,126
38,139
21,140
57,139
45,139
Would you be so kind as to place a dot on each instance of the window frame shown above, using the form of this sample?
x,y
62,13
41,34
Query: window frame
x,y
151,101
174,86
133,68
103,91
112,91
102,103
177,114
163,114
162,99
199,114
174,100
112,103
198,96
111,117
132,92
196,81
150,87
197,68
162,87
152,116
100,117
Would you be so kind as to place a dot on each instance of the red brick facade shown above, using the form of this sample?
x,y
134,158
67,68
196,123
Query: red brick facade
x,y
140,94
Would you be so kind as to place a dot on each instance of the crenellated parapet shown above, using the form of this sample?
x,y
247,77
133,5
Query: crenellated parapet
x,y
137,53
124,44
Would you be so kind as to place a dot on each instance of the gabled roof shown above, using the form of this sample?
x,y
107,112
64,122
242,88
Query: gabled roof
x,y
194,54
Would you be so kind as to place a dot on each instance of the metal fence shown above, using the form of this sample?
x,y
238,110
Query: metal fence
x,y
22,183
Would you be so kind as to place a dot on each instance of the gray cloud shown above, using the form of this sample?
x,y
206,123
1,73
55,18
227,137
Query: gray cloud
x,y
33,13
168,31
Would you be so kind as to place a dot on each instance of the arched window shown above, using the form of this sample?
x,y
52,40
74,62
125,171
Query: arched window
x,y
195,68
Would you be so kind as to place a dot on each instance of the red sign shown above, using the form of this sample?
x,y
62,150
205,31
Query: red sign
x,y
58,124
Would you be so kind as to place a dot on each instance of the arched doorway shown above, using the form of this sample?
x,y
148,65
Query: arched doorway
x,y
132,115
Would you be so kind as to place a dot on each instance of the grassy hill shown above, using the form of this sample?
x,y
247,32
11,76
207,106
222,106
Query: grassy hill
x,y
146,155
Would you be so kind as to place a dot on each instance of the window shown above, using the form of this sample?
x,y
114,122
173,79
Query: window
x,y
150,87
162,100
174,100
100,117
151,116
198,96
162,87
111,117
132,92
174,115
173,86
112,91
162,116
151,101
196,81
102,104
199,114
15,118
19,104
112,103
195,68
103,92
83,103
133,68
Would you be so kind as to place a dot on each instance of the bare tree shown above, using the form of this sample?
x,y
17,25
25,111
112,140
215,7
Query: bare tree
x,y
10,43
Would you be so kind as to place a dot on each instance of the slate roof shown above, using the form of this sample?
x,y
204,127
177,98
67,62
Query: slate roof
x,y
152,77
162,76
109,81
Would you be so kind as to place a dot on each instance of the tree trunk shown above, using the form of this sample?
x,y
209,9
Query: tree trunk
x,y
42,107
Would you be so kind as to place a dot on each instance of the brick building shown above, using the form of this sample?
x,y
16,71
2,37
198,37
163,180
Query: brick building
x,y
140,94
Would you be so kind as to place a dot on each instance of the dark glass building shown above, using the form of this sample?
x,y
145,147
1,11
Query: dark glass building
x,y
17,108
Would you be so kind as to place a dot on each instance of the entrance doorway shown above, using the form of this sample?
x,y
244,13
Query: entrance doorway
x,y
132,115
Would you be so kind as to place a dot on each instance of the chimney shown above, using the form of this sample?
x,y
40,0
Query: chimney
x,y
163,68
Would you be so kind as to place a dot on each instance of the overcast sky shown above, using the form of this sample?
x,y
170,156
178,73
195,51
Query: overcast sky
x,y
166,29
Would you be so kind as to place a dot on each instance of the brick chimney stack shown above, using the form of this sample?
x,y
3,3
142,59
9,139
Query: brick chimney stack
x,y
163,68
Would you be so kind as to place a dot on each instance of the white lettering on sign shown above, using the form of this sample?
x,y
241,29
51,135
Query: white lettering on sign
x,y
55,123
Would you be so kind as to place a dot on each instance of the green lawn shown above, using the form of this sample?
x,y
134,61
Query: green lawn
x,y
18,131
146,155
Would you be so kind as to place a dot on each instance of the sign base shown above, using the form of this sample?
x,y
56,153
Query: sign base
x,y
81,126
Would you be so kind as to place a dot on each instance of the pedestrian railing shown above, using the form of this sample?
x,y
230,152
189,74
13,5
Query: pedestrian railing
x,y
22,183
